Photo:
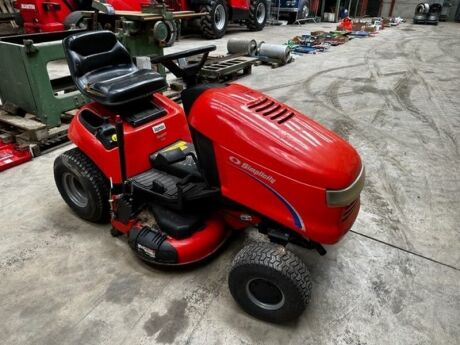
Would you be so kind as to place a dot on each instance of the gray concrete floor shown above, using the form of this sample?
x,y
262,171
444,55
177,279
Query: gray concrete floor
x,y
394,280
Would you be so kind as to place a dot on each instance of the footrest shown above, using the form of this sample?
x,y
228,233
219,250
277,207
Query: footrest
x,y
168,193
145,180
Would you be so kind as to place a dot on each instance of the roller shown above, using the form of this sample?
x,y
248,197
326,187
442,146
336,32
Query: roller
x,y
275,51
242,46
422,8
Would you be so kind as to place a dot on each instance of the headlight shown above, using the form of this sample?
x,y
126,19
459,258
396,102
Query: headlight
x,y
344,197
291,3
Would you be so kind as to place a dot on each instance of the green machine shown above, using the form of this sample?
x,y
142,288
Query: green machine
x,y
26,87
37,102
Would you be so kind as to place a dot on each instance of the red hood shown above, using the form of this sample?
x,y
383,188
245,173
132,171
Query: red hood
x,y
277,137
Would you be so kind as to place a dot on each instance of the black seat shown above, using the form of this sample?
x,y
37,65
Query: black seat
x,y
103,70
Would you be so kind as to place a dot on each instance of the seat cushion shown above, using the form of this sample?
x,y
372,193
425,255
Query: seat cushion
x,y
114,86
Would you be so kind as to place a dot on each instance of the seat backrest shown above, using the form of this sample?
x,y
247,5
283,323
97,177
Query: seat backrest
x,y
90,51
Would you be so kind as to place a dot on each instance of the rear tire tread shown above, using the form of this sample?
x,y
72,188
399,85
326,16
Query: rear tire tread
x,y
75,158
252,23
207,22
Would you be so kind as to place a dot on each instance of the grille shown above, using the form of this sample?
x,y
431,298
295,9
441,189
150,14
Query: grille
x,y
348,211
271,109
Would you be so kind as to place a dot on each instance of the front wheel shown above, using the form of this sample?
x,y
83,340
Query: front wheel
x,y
214,24
82,186
258,11
269,282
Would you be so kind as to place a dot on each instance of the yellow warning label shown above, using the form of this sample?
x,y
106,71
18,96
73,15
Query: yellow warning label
x,y
114,137
177,145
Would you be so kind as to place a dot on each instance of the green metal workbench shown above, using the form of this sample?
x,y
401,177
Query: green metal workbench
x,y
26,86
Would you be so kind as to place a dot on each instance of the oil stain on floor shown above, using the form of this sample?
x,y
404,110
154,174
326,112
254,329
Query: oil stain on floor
x,y
168,325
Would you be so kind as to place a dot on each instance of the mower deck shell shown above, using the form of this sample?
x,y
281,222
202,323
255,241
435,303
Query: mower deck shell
x,y
11,156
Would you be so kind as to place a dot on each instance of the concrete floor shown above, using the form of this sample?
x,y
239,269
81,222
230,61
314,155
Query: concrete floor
x,y
394,279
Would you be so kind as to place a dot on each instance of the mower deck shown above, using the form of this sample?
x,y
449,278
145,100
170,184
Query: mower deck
x,y
11,155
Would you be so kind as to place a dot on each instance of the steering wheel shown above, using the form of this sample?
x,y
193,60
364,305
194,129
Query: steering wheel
x,y
189,72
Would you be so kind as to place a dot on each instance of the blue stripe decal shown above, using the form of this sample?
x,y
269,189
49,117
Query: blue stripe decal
x,y
295,215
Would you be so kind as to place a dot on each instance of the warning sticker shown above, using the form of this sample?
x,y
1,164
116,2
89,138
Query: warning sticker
x,y
177,145
159,128
28,6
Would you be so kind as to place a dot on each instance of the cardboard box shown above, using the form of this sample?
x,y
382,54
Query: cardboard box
x,y
329,17
357,27
370,29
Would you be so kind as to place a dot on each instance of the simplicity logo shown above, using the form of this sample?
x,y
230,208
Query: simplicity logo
x,y
253,171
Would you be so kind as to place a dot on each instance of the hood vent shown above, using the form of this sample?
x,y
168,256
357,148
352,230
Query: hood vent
x,y
273,110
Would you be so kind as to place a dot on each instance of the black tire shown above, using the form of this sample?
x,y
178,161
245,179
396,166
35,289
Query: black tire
x,y
302,14
172,33
18,20
211,25
74,21
82,186
292,17
269,282
255,21
304,11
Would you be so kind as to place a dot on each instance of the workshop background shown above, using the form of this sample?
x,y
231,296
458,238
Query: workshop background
x,y
389,87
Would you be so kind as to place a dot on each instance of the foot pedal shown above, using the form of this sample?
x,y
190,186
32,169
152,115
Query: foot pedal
x,y
158,187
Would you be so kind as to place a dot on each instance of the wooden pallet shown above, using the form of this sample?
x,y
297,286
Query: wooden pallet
x,y
26,131
221,70
274,63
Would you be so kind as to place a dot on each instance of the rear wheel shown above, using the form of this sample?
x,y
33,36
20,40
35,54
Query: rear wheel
x,y
82,186
304,12
75,20
292,18
301,14
214,24
269,282
258,11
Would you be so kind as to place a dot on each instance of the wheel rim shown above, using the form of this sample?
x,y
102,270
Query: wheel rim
x,y
219,17
305,11
265,294
260,13
74,190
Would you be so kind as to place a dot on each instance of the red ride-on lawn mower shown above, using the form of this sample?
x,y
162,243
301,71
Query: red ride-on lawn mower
x,y
179,182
